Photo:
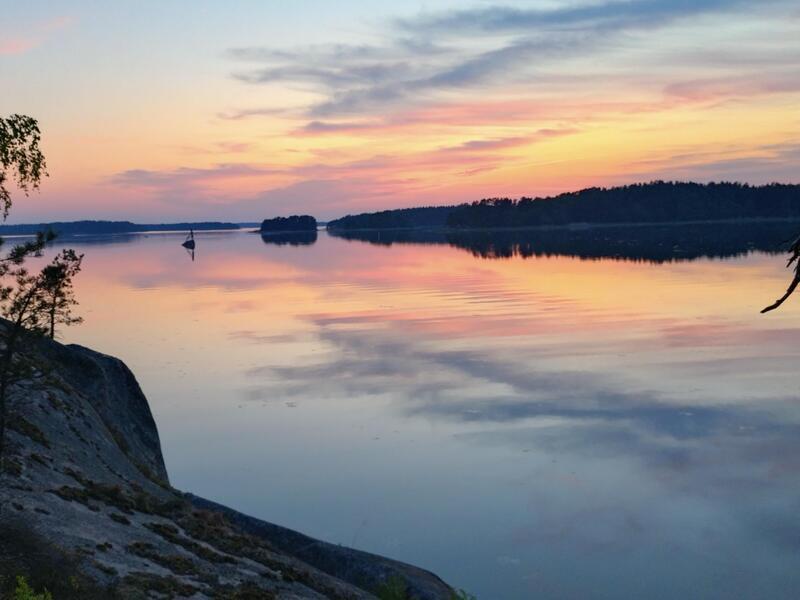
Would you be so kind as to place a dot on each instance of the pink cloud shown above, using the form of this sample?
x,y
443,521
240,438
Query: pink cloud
x,y
21,43
720,88
447,116
16,45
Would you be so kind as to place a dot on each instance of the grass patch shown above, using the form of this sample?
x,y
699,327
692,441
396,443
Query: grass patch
x,y
24,427
179,565
38,458
24,553
12,467
116,496
246,591
171,534
168,586
120,440
394,588
122,519
25,592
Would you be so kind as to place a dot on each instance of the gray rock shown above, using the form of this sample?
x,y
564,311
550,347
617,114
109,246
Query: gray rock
x,y
84,470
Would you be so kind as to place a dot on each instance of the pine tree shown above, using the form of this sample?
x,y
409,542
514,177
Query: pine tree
x,y
56,296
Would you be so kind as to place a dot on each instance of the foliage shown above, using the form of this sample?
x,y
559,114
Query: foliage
x,y
462,595
32,303
293,223
402,218
24,591
56,297
394,588
656,202
20,154
43,566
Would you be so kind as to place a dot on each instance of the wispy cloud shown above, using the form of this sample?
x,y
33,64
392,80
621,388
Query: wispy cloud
x,y
497,46
437,106
153,178
762,164
604,16
246,113
21,42
751,84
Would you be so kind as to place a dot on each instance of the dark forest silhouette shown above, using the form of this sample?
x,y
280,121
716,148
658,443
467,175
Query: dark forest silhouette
x,y
66,228
401,218
293,223
656,202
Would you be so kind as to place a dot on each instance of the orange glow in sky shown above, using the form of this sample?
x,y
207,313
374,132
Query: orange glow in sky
x,y
160,113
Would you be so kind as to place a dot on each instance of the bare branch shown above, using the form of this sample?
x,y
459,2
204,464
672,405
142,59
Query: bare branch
x,y
794,259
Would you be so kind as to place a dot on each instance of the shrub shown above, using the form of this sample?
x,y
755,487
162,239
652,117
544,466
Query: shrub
x,y
393,588
42,566
24,592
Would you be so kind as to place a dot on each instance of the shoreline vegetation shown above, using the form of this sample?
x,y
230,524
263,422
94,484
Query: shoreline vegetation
x,y
644,204
293,224
656,203
89,227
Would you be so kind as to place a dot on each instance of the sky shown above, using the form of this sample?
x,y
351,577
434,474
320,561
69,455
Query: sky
x,y
156,111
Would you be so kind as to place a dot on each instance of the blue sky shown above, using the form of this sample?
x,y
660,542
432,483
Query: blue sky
x,y
246,109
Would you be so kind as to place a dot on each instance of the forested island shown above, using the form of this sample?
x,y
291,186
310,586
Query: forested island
x,y
106,227
293,223
656,202
401,218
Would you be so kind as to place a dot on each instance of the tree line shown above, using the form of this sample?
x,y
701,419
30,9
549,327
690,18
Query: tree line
x,y
290,224
32,303
110,227
655,202
401,218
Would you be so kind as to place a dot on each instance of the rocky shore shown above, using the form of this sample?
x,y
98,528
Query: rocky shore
x,y
84,473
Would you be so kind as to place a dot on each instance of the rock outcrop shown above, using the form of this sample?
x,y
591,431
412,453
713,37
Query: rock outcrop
x,y
84,470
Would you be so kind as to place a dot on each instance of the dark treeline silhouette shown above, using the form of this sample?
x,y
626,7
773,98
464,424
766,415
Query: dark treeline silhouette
x,y
67,228
656,202
290,238
401,218
293,223
650,243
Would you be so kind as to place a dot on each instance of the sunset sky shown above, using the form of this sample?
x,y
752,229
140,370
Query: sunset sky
x,y
156,111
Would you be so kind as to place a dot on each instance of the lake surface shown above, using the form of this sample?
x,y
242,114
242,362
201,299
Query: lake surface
x,y
525,426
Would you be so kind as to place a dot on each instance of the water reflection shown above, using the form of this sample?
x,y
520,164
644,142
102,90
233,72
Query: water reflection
x,y
653,243
291,238
535,427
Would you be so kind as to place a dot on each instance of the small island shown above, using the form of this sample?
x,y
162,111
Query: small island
x,y
294,223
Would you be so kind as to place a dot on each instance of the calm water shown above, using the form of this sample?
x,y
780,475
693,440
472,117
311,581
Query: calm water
x,y
541,427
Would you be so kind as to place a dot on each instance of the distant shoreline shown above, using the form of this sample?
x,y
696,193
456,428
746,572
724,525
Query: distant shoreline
x,y
572,226
658,202
69,228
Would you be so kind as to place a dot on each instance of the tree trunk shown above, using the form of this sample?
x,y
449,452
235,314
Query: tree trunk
x,y
5,373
